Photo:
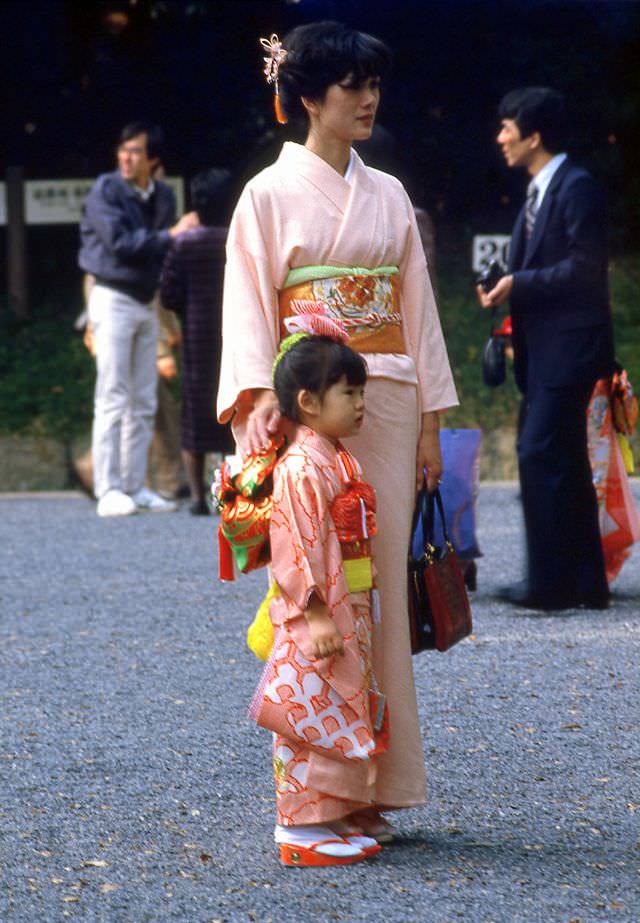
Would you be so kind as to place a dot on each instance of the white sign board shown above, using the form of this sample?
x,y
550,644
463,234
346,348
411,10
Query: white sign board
x,y
487,247
54,201
59,201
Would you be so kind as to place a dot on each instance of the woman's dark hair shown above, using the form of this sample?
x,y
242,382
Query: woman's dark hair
x,y
315,364
537,109
210,196
320,54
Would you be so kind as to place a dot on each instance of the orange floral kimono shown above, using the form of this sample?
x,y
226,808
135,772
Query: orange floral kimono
x,y
321,710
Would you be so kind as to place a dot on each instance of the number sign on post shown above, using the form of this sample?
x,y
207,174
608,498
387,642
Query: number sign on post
x,y
487,247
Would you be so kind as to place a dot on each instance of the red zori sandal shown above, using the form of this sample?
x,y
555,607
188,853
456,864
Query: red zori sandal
x,y
312,845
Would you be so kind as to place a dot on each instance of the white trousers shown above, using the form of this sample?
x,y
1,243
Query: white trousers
x,y
126,333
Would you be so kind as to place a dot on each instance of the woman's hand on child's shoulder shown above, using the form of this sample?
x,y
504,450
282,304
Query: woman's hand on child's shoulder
x,y
264,420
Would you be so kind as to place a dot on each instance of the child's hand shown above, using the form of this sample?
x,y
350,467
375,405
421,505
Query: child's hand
x,y
325,637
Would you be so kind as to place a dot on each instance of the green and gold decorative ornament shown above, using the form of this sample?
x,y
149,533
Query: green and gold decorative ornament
x,y
245,501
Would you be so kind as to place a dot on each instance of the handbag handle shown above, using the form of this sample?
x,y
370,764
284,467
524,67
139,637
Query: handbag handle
x,y
425,510
434,501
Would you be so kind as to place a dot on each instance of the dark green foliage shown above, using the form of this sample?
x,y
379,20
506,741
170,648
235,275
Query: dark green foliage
x,y
466,328
46,377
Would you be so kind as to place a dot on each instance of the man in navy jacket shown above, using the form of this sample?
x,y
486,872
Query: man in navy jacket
x,y
562,338
127,222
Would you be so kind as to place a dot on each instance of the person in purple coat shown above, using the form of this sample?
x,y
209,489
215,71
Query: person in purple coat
x,y
191,285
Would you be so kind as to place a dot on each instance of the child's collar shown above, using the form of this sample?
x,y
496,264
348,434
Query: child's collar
x,y
308,436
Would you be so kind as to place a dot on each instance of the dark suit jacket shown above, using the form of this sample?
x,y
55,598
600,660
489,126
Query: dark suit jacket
x,y
560,310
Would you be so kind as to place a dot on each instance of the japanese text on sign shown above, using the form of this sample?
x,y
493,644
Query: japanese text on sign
x,y
59,201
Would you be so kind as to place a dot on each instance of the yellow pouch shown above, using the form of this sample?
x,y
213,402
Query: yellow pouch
x,y
625,451
260,631
358,574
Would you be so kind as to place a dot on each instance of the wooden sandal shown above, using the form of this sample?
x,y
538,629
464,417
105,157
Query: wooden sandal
x,y
307,855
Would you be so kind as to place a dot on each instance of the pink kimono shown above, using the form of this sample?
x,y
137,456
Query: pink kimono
x,y
325,743
300,212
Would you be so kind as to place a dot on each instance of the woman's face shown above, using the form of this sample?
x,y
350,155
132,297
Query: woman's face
x,y
348,110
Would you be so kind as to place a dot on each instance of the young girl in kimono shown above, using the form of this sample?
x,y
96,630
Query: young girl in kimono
x,y
319,225
318,693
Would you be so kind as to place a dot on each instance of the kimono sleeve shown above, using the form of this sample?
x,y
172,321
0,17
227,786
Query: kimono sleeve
x,y
249,309
305,552
423,333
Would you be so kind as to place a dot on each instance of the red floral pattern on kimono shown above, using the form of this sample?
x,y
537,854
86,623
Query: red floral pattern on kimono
x,y
617,512
324,762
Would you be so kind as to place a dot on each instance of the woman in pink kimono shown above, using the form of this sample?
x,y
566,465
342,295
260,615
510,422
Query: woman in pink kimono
x,y
319,225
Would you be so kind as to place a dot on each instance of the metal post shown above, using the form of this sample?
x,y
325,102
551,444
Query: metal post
x,y
16,242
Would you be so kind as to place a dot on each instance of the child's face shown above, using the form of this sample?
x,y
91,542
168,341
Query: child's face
x,y
339,413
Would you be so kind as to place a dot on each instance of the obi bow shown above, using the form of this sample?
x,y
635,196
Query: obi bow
x,y
314,318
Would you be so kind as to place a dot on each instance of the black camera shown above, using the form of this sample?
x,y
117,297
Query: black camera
x,y
490,276
494,367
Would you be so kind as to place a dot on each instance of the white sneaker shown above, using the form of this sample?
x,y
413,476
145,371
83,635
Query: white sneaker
x,y
145,499
116,503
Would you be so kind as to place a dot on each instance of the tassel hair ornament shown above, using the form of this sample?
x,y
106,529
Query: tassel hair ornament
x,y
276,54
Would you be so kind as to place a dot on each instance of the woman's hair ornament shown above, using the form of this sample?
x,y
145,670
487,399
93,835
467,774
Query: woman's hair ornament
x,y
314,319
311,319
276,54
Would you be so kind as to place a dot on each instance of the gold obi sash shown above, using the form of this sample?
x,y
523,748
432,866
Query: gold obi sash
x,y
367,301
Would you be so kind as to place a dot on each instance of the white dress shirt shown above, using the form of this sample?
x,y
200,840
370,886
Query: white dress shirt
x,y
543,177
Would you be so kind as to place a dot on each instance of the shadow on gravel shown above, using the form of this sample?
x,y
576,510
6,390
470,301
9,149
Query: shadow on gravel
x,y
502,609
499,854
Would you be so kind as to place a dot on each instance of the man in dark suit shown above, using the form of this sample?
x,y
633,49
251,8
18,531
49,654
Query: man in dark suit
x,y
556,284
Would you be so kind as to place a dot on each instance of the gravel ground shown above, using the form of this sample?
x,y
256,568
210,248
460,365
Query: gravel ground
x,y
133,790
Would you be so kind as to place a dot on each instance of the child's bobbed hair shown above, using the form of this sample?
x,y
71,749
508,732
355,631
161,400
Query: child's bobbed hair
x,y
314,364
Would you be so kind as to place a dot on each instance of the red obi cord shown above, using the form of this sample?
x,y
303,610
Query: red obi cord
x,y
354,512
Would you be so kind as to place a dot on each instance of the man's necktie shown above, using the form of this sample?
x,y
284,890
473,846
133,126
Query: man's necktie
x,y
531,208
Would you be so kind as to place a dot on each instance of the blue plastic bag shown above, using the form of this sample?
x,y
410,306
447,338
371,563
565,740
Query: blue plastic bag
x,y
459,491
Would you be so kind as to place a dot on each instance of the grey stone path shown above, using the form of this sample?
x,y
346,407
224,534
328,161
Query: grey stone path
x,y
132,790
